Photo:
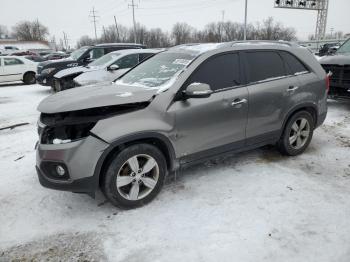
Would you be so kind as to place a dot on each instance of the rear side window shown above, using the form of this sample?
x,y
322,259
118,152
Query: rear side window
x,y
295,66
264,65
219,72
144,56
12,61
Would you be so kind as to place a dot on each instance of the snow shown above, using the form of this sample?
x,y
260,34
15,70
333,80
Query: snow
x,y
253,206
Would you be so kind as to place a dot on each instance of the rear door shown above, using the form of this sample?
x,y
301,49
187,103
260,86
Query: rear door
x,y
207,126
271,89
13,68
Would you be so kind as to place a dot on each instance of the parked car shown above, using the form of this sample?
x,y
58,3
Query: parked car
x,y
177,108
338,65
106,68
35,58
8,50
328,48
55,56
80,57
16,68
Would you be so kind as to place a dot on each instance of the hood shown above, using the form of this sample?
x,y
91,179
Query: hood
x,y
94,96
55,63
70,71
337,59
99,75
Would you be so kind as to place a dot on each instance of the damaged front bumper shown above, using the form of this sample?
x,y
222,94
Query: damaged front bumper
x,y
70,166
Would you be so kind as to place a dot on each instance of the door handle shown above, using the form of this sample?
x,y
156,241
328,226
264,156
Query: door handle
x,y
239,102
292,88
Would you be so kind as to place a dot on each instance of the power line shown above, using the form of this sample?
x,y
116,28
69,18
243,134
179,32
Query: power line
x,y
94,19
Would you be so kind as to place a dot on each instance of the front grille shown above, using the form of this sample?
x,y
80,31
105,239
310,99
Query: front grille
x,y
340,75
39,69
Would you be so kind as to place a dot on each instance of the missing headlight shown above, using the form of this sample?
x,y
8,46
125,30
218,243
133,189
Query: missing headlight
x,y
66,133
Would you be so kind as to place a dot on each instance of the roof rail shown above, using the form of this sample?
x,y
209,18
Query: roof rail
x,y
280,42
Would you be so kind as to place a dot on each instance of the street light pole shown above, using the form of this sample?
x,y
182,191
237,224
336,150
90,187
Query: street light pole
x,y
245,20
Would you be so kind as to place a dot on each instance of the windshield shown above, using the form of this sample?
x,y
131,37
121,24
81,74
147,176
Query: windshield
x,y
157,71
345,48
105,60
78,53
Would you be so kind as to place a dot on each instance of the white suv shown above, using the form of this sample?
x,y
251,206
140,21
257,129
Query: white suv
x,y
15,68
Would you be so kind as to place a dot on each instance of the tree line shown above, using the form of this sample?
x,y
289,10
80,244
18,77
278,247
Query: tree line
x,y
183,33
180,33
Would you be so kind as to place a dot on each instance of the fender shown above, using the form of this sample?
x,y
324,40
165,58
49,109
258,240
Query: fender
x,y
130,138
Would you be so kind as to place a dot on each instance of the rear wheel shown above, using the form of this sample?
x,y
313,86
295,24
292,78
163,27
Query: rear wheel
x,y
135,176
297,134
29,78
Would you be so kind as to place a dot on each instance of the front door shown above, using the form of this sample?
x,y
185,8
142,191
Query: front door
x,y
13,69
207,126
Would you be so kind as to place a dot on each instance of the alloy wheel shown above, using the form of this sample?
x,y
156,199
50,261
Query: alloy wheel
x,y
299,133
137,177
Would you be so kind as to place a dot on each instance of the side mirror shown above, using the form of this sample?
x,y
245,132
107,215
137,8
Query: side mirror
x,y
113,68
197,90
87,60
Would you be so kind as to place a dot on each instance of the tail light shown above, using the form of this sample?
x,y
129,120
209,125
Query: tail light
x,y
328,76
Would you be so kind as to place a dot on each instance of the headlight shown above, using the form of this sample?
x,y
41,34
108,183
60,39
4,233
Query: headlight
x,y
65,133
48,70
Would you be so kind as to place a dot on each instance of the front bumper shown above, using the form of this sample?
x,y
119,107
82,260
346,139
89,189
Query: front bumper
x,y
79,158
44,79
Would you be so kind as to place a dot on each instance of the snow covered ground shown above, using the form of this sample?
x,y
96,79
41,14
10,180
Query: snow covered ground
x,y
254,206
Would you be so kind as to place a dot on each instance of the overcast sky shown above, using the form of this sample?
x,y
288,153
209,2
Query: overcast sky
x,y
72,16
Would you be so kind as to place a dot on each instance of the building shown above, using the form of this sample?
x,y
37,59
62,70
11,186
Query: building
x,y
34,46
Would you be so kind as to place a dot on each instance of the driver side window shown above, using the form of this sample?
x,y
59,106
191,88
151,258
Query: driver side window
x,y
127,61
96,53
220,72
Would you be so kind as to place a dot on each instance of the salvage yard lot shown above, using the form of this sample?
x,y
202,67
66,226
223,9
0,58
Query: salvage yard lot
x,y
253,206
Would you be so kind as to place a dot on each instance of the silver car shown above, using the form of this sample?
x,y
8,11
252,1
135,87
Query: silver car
x,y
179,107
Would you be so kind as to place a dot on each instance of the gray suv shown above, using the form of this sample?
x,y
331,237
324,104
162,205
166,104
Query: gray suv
x,y
181,106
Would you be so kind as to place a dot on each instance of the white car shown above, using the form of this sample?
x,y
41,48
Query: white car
x,y
105,69
17,68
8,50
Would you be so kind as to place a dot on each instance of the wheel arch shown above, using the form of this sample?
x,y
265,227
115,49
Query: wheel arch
x,y
153,138
309,107
27,72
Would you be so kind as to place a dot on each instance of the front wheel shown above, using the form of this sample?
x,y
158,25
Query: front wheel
x,y
297,134
135,176
29,78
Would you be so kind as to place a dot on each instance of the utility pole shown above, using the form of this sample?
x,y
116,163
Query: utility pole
x,y
133,18
223,15
245,20
104,34
38,28
94,19
116,27
65,39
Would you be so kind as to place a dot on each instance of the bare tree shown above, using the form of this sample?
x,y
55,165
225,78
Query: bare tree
x,y
3,31
182,33
86,41
30,31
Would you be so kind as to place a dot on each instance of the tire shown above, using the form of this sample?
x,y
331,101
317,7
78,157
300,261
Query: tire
x,y
123,177
297,134
29,78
